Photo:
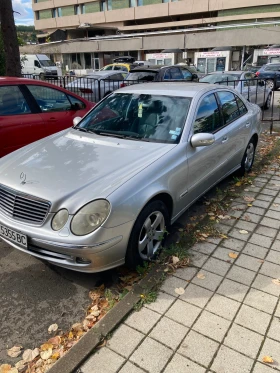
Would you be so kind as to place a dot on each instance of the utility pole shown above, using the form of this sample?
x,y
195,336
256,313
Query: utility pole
x,y
9,36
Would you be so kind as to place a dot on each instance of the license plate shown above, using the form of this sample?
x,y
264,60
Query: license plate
x,y
11,235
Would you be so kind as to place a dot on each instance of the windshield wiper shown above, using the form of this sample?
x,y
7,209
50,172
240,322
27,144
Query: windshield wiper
x,y
83,130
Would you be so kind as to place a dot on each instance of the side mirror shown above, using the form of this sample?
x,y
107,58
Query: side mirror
x,y
202,139
194,77
76,120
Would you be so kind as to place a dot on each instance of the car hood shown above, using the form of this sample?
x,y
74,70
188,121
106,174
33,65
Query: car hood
x,y
70,168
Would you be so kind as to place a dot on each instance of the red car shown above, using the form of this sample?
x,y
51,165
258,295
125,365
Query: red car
x,y
32,109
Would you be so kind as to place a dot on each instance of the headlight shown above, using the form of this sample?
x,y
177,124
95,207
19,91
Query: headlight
x,y
90,217
60,219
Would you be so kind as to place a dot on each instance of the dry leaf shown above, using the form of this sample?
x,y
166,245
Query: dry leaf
x,y
267,359
20,365
233,255
248,199
249,205
52,328
45,355
14,351
275,205
5,368
238,183
175,259
56,355
76,327
247,218
242,231
201,276
211,213
46,346
276,281
179,291
55,341
29,355
223,236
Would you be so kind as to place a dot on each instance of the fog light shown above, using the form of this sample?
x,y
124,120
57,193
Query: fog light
x,y
81,260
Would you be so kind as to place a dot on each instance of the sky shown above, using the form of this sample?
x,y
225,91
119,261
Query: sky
x,y
23,7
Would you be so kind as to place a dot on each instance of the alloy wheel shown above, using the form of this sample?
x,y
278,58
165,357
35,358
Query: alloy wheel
x,y
250,152
151,235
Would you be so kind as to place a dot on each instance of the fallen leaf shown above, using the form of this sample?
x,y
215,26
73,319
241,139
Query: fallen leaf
x,y
248,199
20,365
46,346
211,213
223,236
267,359
55,341
175,259
76,327
242,231
249,205
275,205
5,368
201,276
179,291
56,355
180,229
247,218
52,328
204,235
29,355
233,255
70,335
238,183
14,351
45,355
166,270
276,281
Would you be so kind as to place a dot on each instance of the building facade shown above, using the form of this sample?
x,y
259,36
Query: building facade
x,y
89,34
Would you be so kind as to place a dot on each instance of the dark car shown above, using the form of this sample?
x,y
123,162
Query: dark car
x,y
161,73
252,68
270,72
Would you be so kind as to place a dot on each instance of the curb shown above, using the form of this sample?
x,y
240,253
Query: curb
x,y
73,359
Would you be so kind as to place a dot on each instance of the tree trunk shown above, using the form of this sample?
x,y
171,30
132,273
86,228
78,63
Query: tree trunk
x,y
9,36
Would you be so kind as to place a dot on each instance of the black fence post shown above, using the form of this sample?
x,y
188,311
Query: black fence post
x,y
99,90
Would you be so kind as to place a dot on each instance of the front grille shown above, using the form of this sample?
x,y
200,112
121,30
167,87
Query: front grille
x,y
23,207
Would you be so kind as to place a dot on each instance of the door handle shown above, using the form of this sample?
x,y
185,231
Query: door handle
x,y
247,124
53,119
224,139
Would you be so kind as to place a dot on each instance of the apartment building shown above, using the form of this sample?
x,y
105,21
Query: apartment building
x,y
91,33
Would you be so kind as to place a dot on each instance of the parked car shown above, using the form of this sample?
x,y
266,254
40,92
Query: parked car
x,y
245,83
31,109
95,86
124,67
252,68
104,192
271,73
160,73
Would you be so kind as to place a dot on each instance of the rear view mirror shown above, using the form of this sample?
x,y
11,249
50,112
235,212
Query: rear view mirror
x,y
76,120
202,139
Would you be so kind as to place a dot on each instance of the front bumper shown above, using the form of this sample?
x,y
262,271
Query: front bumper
x,y
103,250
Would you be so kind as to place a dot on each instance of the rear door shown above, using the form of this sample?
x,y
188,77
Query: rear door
x,y
57,108
20,122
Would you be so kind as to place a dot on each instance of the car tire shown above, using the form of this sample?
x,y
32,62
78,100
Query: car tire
x,y
270,84
267,102
248,158
147,235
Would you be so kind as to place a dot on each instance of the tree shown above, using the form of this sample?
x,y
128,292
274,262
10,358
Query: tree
x,y
2,57
9,36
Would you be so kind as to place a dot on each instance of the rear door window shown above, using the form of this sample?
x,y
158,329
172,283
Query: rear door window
x,y
230,109
12,101
50,99
142,75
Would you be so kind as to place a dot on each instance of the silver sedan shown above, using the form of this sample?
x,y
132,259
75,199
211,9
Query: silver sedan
x,y
103,193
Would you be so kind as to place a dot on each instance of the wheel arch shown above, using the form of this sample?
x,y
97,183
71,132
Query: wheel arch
x,y
166,199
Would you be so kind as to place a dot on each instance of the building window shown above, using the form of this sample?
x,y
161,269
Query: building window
x,y
58,11
82,9
165,1
140,2
76,10
103,5
132,3
109,4
53,13
37,15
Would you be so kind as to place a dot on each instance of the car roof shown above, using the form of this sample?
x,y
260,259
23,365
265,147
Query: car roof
x,y
105,72
155,68
272,63
228,72
183,89
119,64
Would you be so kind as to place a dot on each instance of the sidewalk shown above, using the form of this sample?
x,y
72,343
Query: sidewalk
x,y
223,323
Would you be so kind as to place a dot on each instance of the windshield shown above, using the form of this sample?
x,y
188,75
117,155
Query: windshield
x,y
46,63
229,79
142,75
139,117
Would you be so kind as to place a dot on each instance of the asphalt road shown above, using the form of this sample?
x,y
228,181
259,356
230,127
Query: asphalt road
x,y
35,295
